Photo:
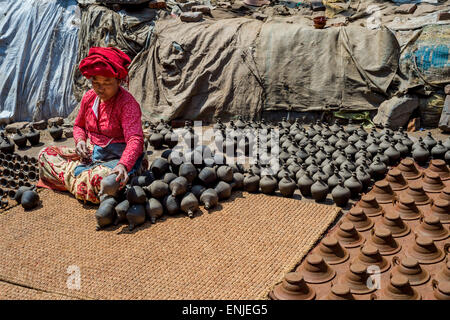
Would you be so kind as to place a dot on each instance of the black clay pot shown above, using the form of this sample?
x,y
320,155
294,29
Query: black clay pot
x,y
153,209
438,151
156,140
29,199
251,182
158,189
207,176
225,173
178,186
287,186
142,181
341,194
189,204
33,136
354,185
209,198
171,139
121,211
105,214
135,216
198,190
238,181
421,154
268,184
159,167
319,190
188,171
19,192
136,195
223,190
109,185
7,147
56,131
169,177
20,139
171,205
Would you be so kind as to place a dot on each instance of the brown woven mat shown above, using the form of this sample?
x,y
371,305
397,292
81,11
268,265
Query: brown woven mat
x,y
237,252
10,291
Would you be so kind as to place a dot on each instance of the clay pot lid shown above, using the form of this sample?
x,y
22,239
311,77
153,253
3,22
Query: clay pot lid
x,y
432,182
370,205
410,268
383,192
332,251
415,191
444,273
409,169
445,194
340,291
382,239
407,209
356,279
425,251
359,219
370,256
431,227
439,167
441,290
349,236
393,222
396,180
441,209
399,288
316,270
293,287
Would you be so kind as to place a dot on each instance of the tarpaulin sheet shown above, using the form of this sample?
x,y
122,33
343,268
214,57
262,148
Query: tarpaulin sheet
x,y
38,45
241,66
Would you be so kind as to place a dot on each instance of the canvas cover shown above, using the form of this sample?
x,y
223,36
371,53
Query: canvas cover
x,y
243,66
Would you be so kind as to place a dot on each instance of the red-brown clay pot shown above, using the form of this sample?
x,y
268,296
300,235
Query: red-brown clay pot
x,y
331,251
370,256
425,251
395,224
444,272
410,268
359,219
409,170
382,239
340,292
399,288
445,194
441,290
441,209
348,236
416,192
370,206
293,287
396,180
440,167
432,182
383,192
407,209
431,227
356,279
316,270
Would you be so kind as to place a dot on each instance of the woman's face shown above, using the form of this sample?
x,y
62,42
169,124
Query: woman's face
x,y
105,87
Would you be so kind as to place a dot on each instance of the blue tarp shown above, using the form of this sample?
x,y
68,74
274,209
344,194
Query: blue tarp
x,y
38,51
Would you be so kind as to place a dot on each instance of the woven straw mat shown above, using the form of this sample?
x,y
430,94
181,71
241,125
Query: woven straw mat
x,y
237,251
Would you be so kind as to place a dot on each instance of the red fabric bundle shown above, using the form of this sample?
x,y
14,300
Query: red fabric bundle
x,y
107,62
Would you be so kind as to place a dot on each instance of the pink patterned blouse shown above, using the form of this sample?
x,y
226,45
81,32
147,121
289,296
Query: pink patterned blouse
x,y
119,120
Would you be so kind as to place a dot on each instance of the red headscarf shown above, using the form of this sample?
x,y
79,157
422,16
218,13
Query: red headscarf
x,y
107,62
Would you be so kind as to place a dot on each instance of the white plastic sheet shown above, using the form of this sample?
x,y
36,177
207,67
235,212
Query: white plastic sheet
x,y
38,49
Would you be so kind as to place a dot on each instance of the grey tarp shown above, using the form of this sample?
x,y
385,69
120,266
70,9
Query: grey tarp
x,y
242,66
38,44
127,30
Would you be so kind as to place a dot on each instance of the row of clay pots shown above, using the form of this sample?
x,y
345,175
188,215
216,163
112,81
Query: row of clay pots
x,y
15,166
13,183
18,158
405,274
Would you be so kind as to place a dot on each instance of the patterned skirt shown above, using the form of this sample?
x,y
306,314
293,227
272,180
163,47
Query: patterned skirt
x,y
56,171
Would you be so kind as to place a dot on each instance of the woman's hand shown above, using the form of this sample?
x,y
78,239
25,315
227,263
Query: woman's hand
x,y
122,174
81,149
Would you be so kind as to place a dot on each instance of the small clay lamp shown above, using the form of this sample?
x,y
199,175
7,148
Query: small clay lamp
x,y
293,287
410,268
316,270
348,236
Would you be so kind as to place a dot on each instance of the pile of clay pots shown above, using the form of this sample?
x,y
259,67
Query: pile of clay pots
x,y
17,175
393,244
177,182
323,159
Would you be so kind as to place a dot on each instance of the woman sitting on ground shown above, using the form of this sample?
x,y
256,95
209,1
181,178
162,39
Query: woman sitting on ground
x,y
111,118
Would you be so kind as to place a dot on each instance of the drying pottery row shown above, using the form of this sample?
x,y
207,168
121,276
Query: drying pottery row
x,y
392,244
